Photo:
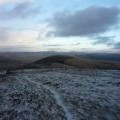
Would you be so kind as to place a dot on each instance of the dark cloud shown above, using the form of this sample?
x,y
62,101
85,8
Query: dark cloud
x,y
106,40
21,10
117,45
59,45
52,45
90,21
77,44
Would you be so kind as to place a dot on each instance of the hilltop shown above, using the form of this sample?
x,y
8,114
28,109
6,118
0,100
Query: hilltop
x,y
65,61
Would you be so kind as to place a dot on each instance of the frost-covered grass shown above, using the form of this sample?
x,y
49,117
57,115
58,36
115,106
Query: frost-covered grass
x,y
61,94
22,100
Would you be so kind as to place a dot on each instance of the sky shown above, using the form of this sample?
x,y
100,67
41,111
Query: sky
x,y
60,25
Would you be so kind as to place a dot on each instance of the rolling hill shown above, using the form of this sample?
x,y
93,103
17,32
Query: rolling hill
x,y
64,61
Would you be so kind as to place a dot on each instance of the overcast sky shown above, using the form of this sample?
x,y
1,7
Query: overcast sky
x,y
60,25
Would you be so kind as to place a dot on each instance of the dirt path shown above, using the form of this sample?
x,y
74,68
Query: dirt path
x,y
56,95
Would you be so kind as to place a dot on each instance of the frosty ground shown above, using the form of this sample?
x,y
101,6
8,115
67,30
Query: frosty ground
x,y
57,94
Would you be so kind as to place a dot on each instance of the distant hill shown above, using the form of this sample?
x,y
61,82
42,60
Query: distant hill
x,y
61,61
11,60
6,63
76,59
114,57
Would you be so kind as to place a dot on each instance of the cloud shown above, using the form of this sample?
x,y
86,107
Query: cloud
x,y
10,37
6,34
21,10
90,21
117,45
3,34
18,40
108,41
20,48
105,40
21,40
52,45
